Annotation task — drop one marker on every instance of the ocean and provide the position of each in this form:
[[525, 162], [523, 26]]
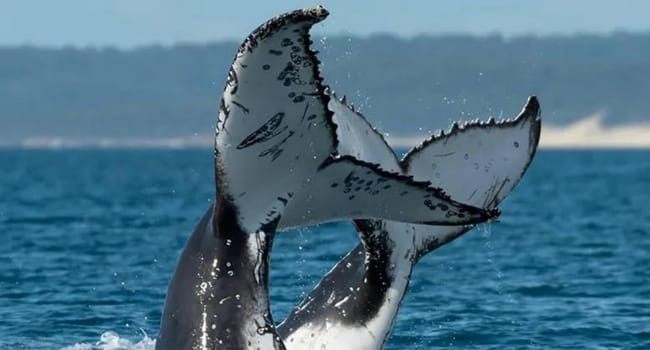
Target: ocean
[[90, 239]]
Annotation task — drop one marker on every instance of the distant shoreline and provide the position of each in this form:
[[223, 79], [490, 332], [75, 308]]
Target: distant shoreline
[[587, 133]]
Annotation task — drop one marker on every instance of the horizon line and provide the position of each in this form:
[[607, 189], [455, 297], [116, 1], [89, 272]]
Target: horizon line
[[336, 35], [584, 134]]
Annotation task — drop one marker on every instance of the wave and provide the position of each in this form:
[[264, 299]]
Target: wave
[[112, 341]]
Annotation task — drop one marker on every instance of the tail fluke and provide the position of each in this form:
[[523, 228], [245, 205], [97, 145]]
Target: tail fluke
[[478, 163], [358, 138], [278, 149], [347, 187], [363, 180], [273, 121]]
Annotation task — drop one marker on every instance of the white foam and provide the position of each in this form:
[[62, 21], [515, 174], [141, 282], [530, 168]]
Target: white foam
[[112, 341]]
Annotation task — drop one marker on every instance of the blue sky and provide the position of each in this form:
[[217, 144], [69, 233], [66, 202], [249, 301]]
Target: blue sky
[[129, 23]]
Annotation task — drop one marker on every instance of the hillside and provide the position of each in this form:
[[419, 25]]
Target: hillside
[[404, 86]]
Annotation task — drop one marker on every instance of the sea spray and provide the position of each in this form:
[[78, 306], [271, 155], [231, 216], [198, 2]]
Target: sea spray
[[112, 341]]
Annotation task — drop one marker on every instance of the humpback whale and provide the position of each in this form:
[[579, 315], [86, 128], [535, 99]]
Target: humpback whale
[[279, 162], [355, 304]]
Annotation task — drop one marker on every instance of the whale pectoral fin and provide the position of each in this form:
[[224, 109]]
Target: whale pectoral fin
[[274, 128], [478, 164], [358, 138], [347, 188]]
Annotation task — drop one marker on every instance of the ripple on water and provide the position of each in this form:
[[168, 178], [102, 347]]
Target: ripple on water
[[90, 240]]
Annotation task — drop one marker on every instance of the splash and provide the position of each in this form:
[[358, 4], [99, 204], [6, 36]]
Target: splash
[[112, 341]]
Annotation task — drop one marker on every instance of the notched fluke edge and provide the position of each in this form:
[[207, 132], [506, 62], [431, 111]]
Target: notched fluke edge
[[530, 110], [483, 214], [310, 16]]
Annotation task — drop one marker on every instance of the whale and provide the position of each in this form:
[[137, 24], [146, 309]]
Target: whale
[[279, 163], [355, 305]]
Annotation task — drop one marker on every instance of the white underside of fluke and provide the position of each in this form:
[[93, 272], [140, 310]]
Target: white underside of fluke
[[274, 129], [359, 138], [362, 181], [478, 163], [282, 144]]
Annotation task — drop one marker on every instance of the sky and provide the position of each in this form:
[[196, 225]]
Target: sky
[[132, 23]]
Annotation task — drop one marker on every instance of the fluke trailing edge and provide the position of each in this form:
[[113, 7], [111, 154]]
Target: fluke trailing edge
[[280, 162]]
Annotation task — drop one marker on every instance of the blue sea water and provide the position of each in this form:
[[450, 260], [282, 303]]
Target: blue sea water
[[89, 240]]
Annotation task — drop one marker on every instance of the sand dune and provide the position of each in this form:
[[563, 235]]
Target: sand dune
[[591, 133], [587, 133]]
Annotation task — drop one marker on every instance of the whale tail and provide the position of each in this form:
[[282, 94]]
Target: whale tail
[[478, 163], [273, 129], [282, 154], [363, 179]]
